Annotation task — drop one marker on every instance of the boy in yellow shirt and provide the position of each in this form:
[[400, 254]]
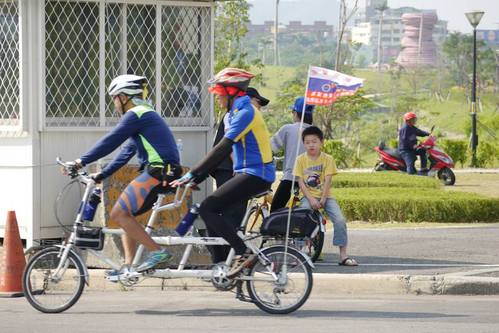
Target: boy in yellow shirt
[[315, 170]]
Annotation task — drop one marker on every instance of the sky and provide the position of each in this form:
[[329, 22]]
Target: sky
[[449, 10]]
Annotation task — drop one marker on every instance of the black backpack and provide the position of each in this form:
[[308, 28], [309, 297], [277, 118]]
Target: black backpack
[[304, 223]]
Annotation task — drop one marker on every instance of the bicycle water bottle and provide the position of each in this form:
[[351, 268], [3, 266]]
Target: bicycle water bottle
[[188, 220], [180, 147], [91, 205]]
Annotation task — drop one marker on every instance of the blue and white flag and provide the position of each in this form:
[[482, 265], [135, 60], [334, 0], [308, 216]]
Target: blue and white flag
[[326, 85]]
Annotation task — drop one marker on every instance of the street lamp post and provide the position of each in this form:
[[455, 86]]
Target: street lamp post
[[474, 18]]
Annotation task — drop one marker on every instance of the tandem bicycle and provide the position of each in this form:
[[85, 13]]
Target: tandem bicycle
[[279, 281]]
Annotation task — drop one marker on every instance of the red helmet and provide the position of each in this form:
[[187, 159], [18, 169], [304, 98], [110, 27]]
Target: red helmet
[[409, 115], [230, 81]]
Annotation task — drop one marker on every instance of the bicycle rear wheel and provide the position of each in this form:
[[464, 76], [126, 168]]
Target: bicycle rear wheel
[[49, 293], [255, 220], [312, 247], [290, 291], [315, 246]]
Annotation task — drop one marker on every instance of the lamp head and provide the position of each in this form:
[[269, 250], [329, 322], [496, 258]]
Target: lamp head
[[474, 17]]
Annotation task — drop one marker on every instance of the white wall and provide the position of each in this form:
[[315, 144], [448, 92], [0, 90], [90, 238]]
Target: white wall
[[16, 179], [70, 145]]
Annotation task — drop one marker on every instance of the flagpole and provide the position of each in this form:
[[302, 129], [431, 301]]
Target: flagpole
[[293, 170]]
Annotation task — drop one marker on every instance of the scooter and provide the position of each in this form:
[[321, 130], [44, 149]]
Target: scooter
[[440, 162]]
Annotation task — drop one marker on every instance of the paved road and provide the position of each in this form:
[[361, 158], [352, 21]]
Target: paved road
[[432, 250], [194, 311]]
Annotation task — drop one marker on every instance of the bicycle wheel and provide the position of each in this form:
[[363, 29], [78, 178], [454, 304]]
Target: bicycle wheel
[[290, 291], [316, 244], [48, 293], [255, 220]]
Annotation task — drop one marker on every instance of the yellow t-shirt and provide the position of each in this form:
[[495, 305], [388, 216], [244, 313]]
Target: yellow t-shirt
[[314, 172]]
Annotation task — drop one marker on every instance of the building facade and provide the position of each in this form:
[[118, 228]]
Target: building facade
[[59, 56], [318, 28], [366, 30]]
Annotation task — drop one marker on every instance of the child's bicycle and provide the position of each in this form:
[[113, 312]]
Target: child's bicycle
[[311, 246], [278, 282]]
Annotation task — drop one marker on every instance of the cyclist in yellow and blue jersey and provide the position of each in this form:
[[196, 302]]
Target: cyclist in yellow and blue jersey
[[150, 138], [249, 141]]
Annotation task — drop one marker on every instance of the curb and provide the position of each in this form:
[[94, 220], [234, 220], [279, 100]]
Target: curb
[[334, 284]]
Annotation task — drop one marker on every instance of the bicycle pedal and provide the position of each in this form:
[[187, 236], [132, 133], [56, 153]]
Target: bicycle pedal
[[114, 279]]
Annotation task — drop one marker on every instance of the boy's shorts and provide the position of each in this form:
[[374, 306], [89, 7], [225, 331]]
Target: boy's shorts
[[142, 192]]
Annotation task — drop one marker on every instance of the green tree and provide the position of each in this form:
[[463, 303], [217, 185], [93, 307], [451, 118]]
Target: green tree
[[458, 49], [336, 120], [231, 20]]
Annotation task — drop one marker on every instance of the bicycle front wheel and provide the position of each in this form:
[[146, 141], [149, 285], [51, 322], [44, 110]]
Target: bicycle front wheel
[[51, 290], [293, 286]]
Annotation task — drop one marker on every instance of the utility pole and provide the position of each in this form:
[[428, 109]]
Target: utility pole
[[496, 87], [339, 35], [343, 19], [276, 34], [381, 8]]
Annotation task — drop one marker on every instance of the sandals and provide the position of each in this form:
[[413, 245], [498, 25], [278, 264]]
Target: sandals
[[348, 262]]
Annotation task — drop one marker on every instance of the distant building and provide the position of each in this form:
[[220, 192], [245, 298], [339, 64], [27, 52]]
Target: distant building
[[366, 29], [318, 28], [418, 47], [490, 37], [366, 33]]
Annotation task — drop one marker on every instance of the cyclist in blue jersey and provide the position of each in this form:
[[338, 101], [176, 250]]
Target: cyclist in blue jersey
[[150, 138], [247, 137]]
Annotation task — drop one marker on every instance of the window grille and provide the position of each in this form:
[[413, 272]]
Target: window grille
[[72, 63], [9, 63], [135, 34]]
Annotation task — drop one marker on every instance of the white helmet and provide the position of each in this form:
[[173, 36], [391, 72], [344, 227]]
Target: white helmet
[[128, 84]]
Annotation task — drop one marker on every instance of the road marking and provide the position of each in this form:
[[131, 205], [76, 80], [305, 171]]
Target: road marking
[[416, 265]]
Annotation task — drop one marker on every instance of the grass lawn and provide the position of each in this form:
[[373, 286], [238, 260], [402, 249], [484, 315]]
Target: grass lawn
[[273, 78], [481, 183]]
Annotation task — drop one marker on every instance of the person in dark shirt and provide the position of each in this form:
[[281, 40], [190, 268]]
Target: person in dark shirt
[[408, 142], [150, 138]]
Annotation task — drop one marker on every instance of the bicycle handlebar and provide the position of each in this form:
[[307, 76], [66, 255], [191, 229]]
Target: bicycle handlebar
[[73, 172]]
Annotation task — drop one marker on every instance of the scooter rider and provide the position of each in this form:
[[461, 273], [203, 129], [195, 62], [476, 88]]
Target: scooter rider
[[408, 142]]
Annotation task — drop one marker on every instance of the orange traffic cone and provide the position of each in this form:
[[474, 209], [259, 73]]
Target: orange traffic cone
[[12, 263]]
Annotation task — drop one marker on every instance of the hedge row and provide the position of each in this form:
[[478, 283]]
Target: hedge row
[[384, 179], [383, 204]]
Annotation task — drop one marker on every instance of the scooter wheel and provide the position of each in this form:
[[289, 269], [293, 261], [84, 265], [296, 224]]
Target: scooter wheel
[[380, 167], [447, 176]]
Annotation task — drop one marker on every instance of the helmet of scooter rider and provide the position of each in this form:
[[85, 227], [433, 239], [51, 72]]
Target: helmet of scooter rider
[[409, 115], [128, 84], [230, 81]]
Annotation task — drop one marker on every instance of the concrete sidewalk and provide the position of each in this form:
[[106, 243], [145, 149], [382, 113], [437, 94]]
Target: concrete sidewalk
[[433, 260], [325, 283], [417, 251]]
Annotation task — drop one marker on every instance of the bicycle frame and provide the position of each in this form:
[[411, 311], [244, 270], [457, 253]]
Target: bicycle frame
[[158, 207]]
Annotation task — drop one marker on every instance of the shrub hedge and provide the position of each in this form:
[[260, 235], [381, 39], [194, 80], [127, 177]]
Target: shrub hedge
[[383, 179], [457, 150], [393, 196], [383, 204]]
